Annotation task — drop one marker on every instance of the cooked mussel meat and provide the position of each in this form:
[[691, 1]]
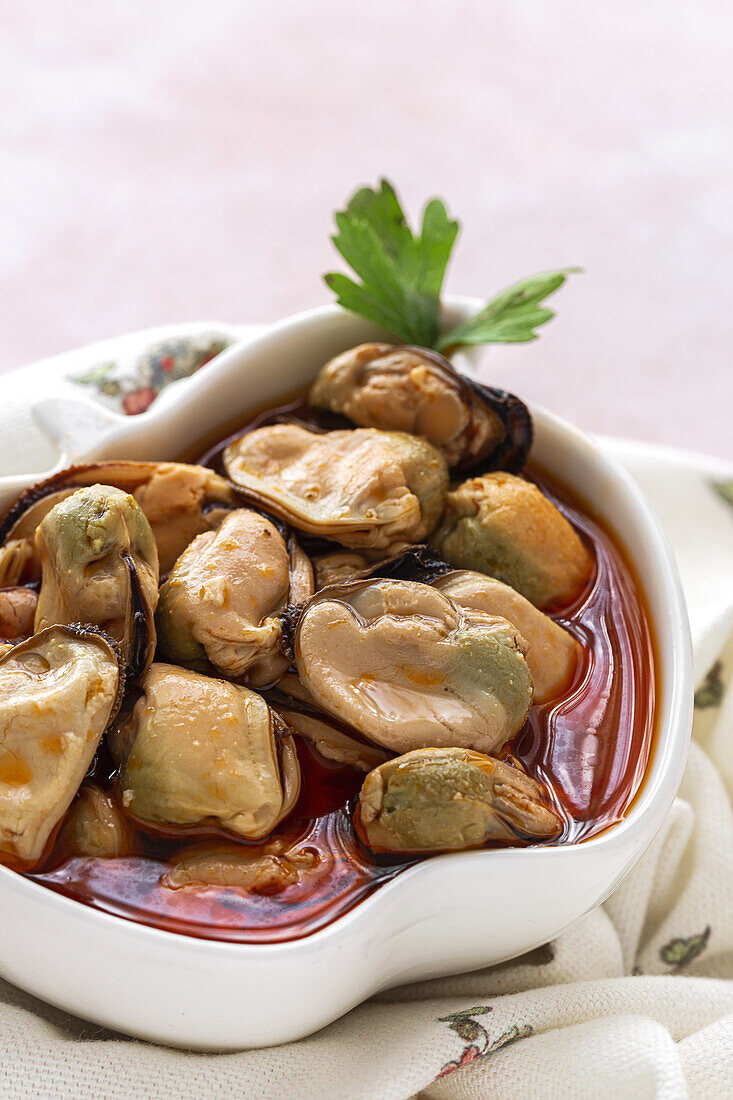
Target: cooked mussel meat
[[411, 389], [506, 527], [330, 742], [552, 653], [99, 565], [95, 826], [179, 501], [447, 800], [405, 666], [363, 488], [338, 567], [329, 739], [18, 562], [17, 612], [196, 751], [267, 869], [58, 692], [222, 599]]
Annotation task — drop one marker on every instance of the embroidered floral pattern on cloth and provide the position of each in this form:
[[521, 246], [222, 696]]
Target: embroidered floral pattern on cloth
[[131, 386]]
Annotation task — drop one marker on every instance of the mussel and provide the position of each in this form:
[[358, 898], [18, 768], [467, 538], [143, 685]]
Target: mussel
[[18, 562], [99, 565], [447, 800], [267, 869], [406, 667], [95, 826], [338, 567], [330, 742], [196, 751], [552, 653], [506, 527], [179, 501], [59, 690], [222, 599], [329, 739], [17, 612], [362, 488], [411, 389]]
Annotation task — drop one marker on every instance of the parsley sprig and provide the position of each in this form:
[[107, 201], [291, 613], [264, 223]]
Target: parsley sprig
[[402, 276]]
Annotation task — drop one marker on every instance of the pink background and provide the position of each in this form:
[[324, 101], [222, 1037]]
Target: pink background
[[166, 161]]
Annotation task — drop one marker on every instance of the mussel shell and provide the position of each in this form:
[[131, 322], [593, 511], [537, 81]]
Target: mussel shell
[[512, 453], [417, 563], [141, 645]]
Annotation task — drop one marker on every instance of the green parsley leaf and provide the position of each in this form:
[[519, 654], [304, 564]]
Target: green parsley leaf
[[512, 316], [401, 274]]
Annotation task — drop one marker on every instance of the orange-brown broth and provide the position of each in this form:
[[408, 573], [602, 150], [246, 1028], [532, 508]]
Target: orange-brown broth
[[590, 746]]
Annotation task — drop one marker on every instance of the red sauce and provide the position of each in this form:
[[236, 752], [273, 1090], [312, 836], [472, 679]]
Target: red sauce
[[590, 747]]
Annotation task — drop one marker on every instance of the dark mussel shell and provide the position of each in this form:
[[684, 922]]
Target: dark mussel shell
[[417, 563], [511, 452]]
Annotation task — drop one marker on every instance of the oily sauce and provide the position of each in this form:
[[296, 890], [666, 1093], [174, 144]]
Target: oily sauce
[[590, 747]]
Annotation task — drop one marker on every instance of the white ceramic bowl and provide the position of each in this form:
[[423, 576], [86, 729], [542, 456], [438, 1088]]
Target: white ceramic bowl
[[446, 914]]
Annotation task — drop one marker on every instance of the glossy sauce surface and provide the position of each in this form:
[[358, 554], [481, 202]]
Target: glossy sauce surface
[[590, 746]]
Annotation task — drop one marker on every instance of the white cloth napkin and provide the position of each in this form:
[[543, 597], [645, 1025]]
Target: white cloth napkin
[[634, 1001]]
